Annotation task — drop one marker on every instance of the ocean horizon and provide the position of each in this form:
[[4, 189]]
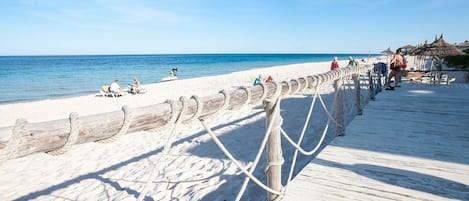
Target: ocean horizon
[[39, 77]]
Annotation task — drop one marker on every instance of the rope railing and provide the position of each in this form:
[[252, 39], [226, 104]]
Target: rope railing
[[60, 135], [52, 135], [342, 84]]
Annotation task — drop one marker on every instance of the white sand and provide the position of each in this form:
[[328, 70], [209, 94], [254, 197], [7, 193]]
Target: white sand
[[195, 169]]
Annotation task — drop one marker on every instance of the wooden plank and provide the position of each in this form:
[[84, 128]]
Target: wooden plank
[[410, 144]]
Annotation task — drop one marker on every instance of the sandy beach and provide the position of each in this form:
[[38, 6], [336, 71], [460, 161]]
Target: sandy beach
[[194, 169]]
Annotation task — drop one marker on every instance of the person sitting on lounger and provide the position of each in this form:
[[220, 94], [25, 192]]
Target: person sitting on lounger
[[116, 89], [135, 87]]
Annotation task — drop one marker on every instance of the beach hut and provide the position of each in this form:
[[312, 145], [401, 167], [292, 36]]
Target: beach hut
[[406, 49]]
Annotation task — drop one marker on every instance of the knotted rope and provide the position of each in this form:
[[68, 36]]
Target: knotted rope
[[72, 137], [246, 171]]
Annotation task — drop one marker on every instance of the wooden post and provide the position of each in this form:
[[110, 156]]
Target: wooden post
[[274, 148], [380, 84], [339, 108], [372, 88], [358, 104]]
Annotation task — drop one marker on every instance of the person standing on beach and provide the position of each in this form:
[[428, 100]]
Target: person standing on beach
[[395, 65], [334, 64], [258, 80], [352, 62]]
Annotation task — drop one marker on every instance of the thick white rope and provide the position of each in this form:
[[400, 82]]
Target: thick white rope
[[16, 137], [329, 115], [306, 84], [72, 137], [298, 146], [297, 83], [226, 101], [289, 87], [169, 140], [264, 142], [124, 128], [264, 91], [310, 111], [235, 161], [248, 94], [198, 111]]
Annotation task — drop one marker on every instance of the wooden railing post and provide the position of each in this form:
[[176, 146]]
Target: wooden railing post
[[372, 88], [339, 108], [380, 84], [358, 104], [273, 148]]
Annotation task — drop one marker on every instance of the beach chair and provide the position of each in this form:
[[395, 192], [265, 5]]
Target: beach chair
[[104, 91]]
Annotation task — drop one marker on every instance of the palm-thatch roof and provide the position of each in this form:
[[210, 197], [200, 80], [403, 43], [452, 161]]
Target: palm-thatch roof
[[440, 47], [387, 51]]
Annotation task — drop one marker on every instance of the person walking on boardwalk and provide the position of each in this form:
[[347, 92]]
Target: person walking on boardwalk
[[395, 66]]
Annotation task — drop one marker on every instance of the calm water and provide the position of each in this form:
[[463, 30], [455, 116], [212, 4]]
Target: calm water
[[26, 78]]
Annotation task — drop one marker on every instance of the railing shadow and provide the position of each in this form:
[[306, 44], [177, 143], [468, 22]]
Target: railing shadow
[[97, 174], [235, 142], [293, 121], [406, 179]]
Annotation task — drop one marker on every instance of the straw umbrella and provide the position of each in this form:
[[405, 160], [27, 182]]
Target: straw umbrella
[[387, 52], [440, 48]]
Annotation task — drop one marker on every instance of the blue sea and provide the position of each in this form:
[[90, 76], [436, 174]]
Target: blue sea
[[30, 78]]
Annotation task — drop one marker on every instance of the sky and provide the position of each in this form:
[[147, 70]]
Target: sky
[[71, 27]]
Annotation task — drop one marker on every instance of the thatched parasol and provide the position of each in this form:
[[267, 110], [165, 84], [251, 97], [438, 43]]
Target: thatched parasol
[[440, 48], [387, 51]]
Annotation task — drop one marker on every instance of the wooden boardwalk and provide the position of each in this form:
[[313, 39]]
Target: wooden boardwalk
[[409, 144]]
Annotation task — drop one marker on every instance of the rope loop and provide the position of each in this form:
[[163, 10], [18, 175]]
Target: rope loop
[[198, 112], [248, 94], [306, 84], [289, 87], [184, 101], [16, 137], [173, 117], [278, 92], [264, 91], [124, 128], [226, 101], [298, 84], [72, 137]]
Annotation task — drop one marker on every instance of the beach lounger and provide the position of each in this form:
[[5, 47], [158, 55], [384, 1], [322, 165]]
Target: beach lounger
[[104, 92]]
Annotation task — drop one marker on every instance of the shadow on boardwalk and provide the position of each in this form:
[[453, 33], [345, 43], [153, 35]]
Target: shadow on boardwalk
[[412, 140]]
